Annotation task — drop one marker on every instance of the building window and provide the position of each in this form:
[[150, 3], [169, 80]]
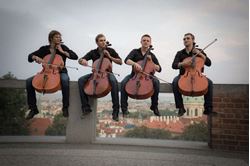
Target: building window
[[196, 112], [188, 112]]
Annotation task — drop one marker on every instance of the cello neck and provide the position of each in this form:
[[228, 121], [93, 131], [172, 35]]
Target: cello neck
[[145, 56], [52, 56], [100, 50]]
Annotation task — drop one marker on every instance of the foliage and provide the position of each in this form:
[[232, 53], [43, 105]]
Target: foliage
[[147, 113], [12, 110], [167, 112], [140, 114], [196, 132], [144, 132], [58, 127]]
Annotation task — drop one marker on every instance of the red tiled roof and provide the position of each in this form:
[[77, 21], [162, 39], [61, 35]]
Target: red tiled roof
[[38, 126], [177, 127], [172, 127]]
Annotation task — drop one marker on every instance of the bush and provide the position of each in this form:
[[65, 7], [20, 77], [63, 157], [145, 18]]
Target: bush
[[196, 132], [144, 132], [12, 110], [58, 127]]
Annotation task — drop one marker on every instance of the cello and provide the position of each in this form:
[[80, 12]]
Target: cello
[[48, 80], [98, 84], [193, 82], [140, 86]]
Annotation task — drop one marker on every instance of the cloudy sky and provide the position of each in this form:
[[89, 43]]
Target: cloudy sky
[[25, 26]]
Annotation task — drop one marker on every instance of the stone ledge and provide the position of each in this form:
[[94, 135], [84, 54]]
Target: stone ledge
[[164, 88]]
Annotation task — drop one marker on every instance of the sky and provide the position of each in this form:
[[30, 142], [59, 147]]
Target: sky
[[24, 28]]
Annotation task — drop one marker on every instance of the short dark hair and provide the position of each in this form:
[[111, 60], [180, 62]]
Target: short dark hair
[[99, 36], [192, 36], [52, 34], [146, 35]]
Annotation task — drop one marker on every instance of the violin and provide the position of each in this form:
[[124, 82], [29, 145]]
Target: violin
[[193, 82], [98, 84], [140, 86], [48, 80]]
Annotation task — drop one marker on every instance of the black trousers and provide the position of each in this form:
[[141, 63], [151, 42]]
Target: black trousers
[[114, 92], [208, 97], [124, 95], [31, 93]]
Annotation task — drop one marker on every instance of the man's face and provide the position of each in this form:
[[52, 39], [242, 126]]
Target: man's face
[[101, 42], [56, 39], [187, 40], [146, 42]]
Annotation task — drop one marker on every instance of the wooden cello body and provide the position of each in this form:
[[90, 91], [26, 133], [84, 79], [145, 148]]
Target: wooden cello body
[[140, 86], [193, 82], [48, 80], [98, 84]]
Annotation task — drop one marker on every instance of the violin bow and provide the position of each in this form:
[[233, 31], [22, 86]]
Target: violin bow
[[150, 75], [60, 66], [205, 47], [104, 71]]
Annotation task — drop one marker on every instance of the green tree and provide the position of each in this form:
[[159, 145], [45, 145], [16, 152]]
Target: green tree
[[195, 132], [143, 114], [58, 127], [147, 113], [12, 110], [144, 132], [167, 112]]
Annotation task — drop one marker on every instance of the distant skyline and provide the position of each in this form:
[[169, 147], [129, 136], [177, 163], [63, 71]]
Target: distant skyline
[[25, 27]]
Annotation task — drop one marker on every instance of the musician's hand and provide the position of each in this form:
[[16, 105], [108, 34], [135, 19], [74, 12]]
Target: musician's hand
[[157, 67], [61, 66], [195, 51], [137, 67], [107, 54], [186, 63], [83, 62], [59, 48], [37, 59]]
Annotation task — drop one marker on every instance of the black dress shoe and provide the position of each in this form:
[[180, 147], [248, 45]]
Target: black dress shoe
[[125, 113], [156, 112], [209, 111], [85, 112], [115, 118], [181, 112], [32, 113], [65, 112]]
